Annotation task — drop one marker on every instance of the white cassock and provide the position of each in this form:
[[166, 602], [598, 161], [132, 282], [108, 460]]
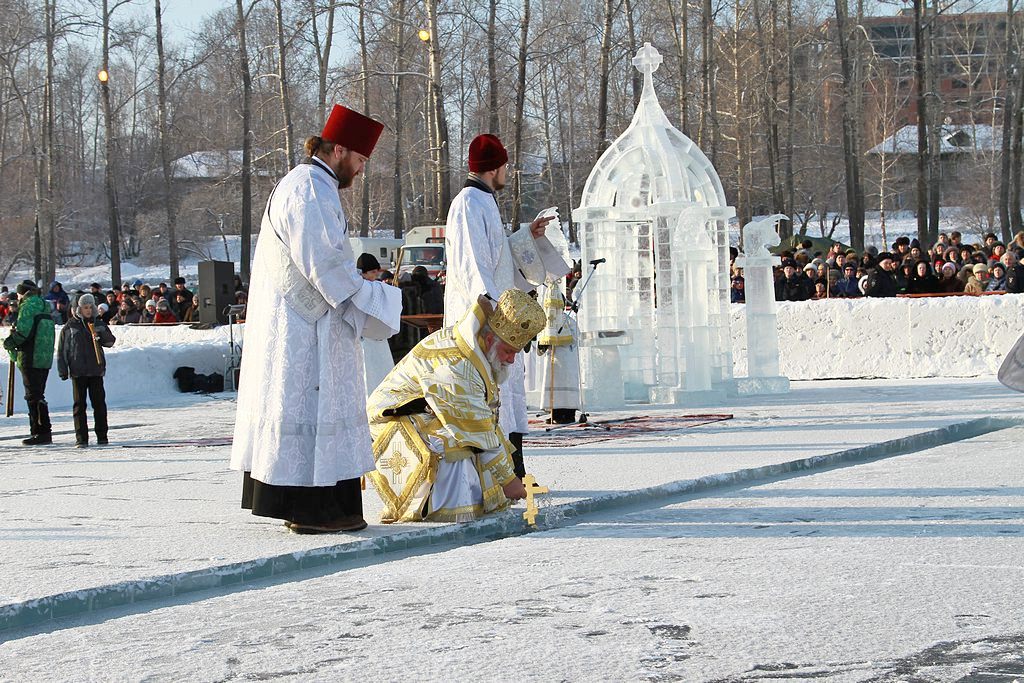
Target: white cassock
[[480, 260], [560, 362], [301, 417], [377, 362]]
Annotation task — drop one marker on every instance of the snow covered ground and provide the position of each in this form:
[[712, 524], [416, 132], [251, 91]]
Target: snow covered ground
[[75, 519], [907, 568]]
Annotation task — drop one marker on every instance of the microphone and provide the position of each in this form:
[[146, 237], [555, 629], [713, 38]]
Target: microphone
[[597, 261]]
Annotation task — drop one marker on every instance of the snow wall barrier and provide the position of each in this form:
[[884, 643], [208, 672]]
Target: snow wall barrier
[[956, 336], [835, 338], [141, 365]]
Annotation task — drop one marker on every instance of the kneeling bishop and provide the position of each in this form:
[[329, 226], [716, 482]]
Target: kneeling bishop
[[440, 454]]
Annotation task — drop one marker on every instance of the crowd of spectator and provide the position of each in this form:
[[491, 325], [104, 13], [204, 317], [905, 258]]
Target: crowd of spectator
[[134, 303], [950, 266]]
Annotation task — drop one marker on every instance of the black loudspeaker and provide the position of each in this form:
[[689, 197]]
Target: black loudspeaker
[[216, 291]]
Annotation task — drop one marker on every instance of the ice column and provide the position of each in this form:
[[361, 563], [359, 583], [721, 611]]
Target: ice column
[[762, 324]]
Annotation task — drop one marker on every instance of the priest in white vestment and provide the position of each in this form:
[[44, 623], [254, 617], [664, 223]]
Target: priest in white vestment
[[440, 454], [301, 435], [559, 358], [483, 260]]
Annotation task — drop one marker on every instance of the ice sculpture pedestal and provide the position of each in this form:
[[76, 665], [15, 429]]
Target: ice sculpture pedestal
[[762, 320]]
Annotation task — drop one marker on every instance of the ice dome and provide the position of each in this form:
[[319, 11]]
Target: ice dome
[[653, 208]]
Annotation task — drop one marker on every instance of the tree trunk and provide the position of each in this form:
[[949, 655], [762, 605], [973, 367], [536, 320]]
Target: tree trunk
[[921, 193], [934, 133], [637, 78], [323, 51], [165, 152], [246, 172], [364, 63], [108, 175], [1016, 158], [398, 217], [851, 151], [282, 79], [1009, 93], [786, 227], [604, 67], [443, 171], [517, 159], [709, 104], [49, 143], [493, 124]]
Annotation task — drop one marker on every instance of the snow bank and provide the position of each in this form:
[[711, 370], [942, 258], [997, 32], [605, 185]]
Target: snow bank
[[962, 336], [140, 366]]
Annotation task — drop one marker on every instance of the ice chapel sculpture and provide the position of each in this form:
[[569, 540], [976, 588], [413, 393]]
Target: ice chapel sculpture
[[656, 313]]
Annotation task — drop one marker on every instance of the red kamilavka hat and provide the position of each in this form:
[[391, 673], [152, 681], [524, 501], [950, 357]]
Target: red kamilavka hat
[[352, 130], [486, 153]]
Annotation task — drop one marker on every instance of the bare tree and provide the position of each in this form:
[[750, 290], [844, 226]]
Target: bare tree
[[165, 153], [246, 171], [282, 79]]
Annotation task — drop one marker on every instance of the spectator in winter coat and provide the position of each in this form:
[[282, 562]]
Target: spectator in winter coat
[[792, 286], [148, 312], [737, 292], [164, 313], [31, 347], [192, 313], [59, 299], [179, 288], [127, 313], [949, 283], [997, 279], [979, 279], [881, 281], [164, 292], [846, 286], [80, 358], [1014, 273], [112, 302], [182, 302], [922, 280]]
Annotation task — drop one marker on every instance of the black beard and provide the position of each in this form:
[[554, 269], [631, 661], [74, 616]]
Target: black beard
[[345, 181]]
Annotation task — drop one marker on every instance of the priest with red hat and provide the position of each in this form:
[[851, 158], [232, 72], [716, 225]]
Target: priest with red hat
[[484, 260], [301, 434]]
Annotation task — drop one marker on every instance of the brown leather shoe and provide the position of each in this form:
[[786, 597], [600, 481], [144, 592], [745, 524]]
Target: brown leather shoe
[[349, 523]]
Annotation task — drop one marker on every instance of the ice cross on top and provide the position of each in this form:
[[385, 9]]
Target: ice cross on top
[[647, 60]]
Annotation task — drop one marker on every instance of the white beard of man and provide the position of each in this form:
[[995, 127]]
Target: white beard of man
[[498, 367]]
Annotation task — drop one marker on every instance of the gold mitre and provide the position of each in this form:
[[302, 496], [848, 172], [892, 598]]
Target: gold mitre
[[517, 318]]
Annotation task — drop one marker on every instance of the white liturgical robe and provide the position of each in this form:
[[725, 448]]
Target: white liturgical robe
[[301, 417], [480, 261]]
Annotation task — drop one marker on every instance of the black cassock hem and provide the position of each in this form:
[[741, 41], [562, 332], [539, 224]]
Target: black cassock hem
[[312, 505]]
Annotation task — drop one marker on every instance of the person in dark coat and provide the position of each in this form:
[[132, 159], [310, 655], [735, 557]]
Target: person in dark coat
[[846, 287], [80, 358], [59, 299], [180, 305], [922, 280], [882, 280], [430, 295], [792, 286], [949, 283], [1014, 273]]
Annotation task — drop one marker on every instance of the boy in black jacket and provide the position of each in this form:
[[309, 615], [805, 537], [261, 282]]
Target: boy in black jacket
[[80, 356]]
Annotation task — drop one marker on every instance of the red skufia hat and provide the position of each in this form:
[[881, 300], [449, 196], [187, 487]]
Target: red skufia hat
[[352, 130], [486, 153]]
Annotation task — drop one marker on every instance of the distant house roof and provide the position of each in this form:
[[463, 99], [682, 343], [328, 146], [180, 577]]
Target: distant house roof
[[954, 140], [210, 165]]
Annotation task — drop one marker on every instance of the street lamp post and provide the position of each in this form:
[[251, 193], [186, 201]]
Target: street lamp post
[[108, 126]]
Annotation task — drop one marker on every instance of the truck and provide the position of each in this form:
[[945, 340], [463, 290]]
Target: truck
[[384, 248], [425, 234]]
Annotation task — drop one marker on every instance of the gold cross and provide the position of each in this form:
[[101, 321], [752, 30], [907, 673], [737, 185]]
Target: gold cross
[[396, 464], [530, 482]]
